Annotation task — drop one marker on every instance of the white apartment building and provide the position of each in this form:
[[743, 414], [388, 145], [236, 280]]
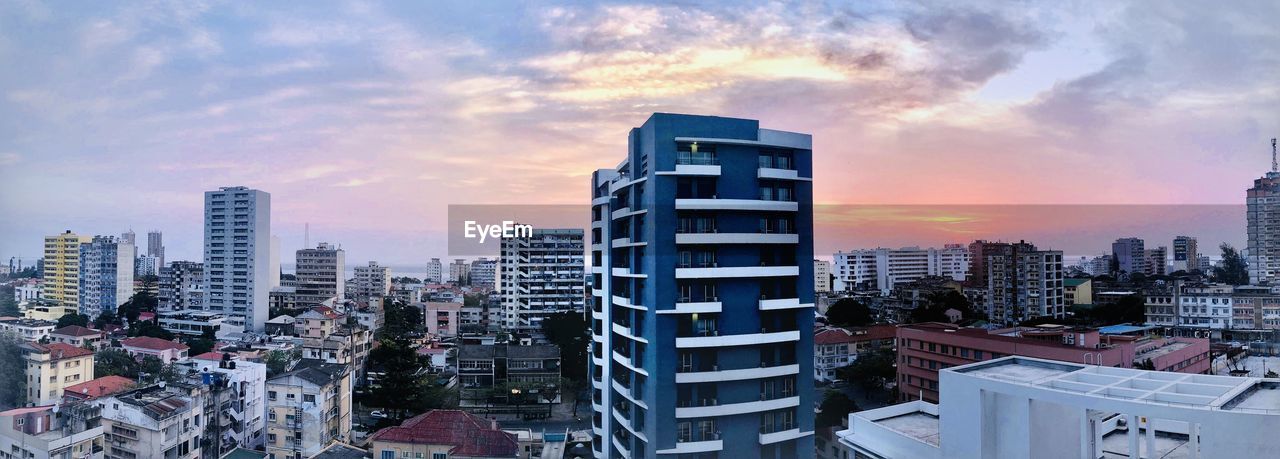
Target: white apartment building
[[237, 389], [821, 276], [28, 329], [435, 272], [1205, 306], [70, 431], [1024, 283], [484, 273], [154, 422], [372, 281], [237, 254], [106, 275], [540, 275], [307, 409], [459, 270], [180, 286], [321, 272], [882, 269], [1026, 407], [146, 265], [194, 323]]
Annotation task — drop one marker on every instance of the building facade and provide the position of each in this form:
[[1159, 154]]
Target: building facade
[[106, 275], [459, 270], [308, 409], [372, 281], [71, 431], [153, 421], [1185, 254], [53, 367], [1023, 283], [237, 254], [1263, 212], [1129, 255], [1156, 261], [181, 286], [821, 276], [541, 274], [62, 268], [155, 246], [882, 269], [434, 272], [484, 273], [702, 243], [321, 274]]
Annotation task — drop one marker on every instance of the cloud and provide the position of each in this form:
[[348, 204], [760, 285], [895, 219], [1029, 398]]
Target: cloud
[[9, 159]]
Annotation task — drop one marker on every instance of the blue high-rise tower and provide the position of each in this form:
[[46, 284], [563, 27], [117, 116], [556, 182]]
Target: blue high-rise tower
[[702, 275]]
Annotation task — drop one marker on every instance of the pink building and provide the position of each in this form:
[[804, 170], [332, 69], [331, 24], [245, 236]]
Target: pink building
[[441, 318], [925, 348]]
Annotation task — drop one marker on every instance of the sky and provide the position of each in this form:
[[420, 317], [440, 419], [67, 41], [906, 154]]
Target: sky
[[366, 120]]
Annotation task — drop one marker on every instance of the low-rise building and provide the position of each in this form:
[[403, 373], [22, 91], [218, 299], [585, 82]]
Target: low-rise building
[[444, 434], [308, 409], [525, 368], [78, 336], [1077, 291], [96, 388], [52, 367], [155, 421], [70, 431], [195, 323], [1027, 407], [143, 346], [442, 319], [318, 322], [28, 329], [45, 309], [835, 348]]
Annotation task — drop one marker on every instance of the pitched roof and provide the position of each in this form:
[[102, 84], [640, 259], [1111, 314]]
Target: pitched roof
[[153, 343], [338, 450], [211, 355], [470, 436], [29, 409], [58, 351], [315, 371], [76, 330], [99, 387], [842, 335]]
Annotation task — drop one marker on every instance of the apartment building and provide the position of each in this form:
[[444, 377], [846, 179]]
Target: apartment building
[[1023, 283], [821, 276], [238, 267], [541, 274], [78, 336], [146, 265], [925, 348], [28, 329], [106, 275], [62, 268], [194, 323], [181, 286], [308, 409], [52, 367], [882, 269], [69, 431], [702, 291], [434, 272], [321, 274], [1213, 306], [1156, 261], [236, 412], [372, 281], [836, 348], [1029, 407], [459, 270], [445, 434], [442, 319], [1263, 214], [141, 347], [531, 368], [159, 421], [484, 273], [1129, 255], [1077, 291], [1185, 254]]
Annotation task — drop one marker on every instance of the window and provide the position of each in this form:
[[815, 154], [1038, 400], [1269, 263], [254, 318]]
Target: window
[[439, 456], [388, 454], [271, 395]]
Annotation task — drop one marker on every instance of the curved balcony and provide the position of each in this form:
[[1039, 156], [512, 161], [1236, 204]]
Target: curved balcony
[[737, 238], [737, 272], [736, 204], [626, 362], [626, 212], [783, 303], [621, 450], [626, 303], [626, 333], [626, 393], [775, 437], [625, 242], [691, 447], [781, 174], [730, 409], [624, 272], [737, 340], [737, 375], [687, 307], [702, 170]]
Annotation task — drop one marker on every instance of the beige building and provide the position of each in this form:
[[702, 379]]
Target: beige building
[[318, 322], [53, 367], [441, 318], [821, 276], [162, 421], [1077, 291], [308, 409], [62, 268], [70, 432]]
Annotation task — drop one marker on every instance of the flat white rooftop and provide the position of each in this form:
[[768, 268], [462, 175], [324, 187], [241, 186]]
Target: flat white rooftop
[[918, 425]]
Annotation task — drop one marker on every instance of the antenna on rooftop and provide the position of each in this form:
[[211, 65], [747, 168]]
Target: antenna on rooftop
[[306, 227], [1274, 166]]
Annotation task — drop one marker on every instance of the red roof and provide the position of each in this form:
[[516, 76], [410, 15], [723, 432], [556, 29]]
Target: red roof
[[841, 335], [61, 350], [99, 387], [217, 356], [146, 316], [76, 330], [153, 343], [29, 409], [469, 435]]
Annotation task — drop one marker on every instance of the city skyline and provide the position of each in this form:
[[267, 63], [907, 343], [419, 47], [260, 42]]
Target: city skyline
[[350, 125]]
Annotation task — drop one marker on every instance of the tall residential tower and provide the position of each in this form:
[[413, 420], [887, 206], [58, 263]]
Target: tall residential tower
[[106, 275], [62, 268], [702, 249], [540, 275], [237, 254]]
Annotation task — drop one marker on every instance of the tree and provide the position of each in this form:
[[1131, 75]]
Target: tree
[[848, 312], [117, 362], [402, 386], [572, 334], [13, 371], [279, 361], [8, 306], [401, 320], [73, 318], [1233, 269], [152, 366], [835, 407], [104, 319], [871, 370], [149, 328]]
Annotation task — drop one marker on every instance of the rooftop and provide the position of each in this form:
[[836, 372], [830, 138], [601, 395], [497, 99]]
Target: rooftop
[[341, 451], [99, 387], [507, 351], [918, 425], [468, 434], [58, 351], [1123, 329], [76, 330], [153, 343]]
